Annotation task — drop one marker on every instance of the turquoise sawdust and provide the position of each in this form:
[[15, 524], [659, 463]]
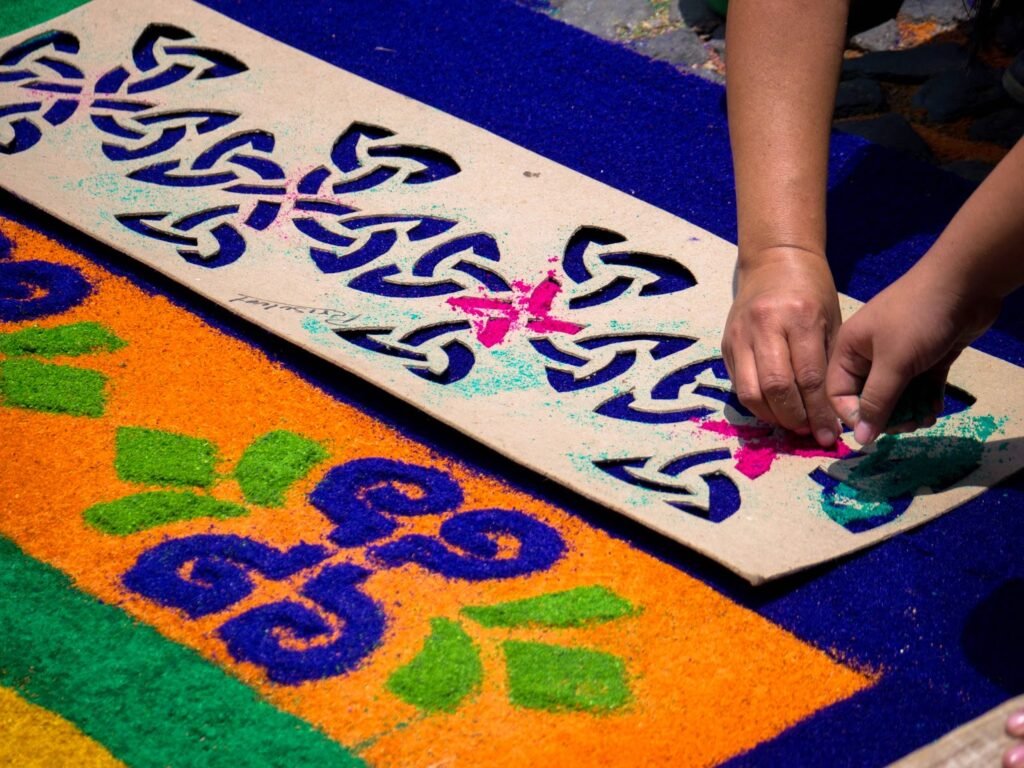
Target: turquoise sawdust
[[443, 674], [572, 608], [155, 457], [64, 340], [904, 464]]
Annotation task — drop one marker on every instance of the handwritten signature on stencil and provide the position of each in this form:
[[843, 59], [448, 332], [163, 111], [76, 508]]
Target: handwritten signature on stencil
[[331, 316]]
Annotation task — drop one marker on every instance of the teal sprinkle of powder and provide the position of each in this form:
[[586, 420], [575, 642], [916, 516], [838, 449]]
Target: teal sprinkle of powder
[[315, 326], [511, 372], [901, 465]]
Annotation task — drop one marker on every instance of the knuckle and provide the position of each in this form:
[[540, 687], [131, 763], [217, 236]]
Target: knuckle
[[810, 379], [776, 385], [763, 312]]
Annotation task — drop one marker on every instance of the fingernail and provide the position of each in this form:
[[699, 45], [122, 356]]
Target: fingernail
[[1015, 724], [864, 433], [1014, 757], [825, 437]]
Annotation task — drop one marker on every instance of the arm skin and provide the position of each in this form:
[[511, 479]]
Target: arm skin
[[917, 327], [784, 60]]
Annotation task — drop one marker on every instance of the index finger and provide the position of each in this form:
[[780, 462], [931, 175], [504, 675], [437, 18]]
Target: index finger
[[809, 366]]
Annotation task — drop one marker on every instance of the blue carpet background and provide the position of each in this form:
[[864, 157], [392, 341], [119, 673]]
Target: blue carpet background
[[940, 610]]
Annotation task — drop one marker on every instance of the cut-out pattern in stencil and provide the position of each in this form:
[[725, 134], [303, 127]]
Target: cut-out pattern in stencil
[[677, 479], [603, 275], [569, 326]]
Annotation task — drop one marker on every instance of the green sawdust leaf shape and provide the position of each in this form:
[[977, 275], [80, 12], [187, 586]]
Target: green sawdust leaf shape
[[273, 462], [142, 511], [573, 608], [155, 457], [64, 340], [557, 679], [53, 388], [443, 674]]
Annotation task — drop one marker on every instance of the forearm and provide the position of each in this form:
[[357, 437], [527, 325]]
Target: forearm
[[784, 59], [981, 252]]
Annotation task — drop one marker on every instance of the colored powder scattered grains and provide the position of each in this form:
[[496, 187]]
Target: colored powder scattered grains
[[761, 445], [530, 308], [443, 674], [33, 737], [147, 510], [902, 465], [688, 651], [273, 463], [156, 457], [148, 700], [554, 678], [69, 340], [53, 388], [16, 15], [571, 608]]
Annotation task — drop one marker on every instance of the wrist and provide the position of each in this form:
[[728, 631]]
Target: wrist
[[795, 255], [970, 282]]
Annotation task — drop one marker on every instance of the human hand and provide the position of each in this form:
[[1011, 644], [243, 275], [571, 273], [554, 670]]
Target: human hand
[[905, 339], [783, 320]]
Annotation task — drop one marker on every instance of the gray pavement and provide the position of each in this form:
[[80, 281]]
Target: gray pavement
[[906, 83]]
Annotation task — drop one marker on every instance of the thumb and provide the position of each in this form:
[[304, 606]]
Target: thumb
[[885, 383], [848, 368]]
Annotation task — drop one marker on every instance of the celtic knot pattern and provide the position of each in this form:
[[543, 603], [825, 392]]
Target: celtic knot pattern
[[602, 276], [50, 83], [159, 59], [419, 346], [620, 351], [718, 498], [361, 161], [681, 395], [641, 376]]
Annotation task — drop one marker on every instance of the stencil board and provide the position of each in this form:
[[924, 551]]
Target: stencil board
[[565, 324]]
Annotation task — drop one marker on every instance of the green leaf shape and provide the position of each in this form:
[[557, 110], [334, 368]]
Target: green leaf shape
[[64, 340], [54, 388], [142, 511], [573, 608], [273, 462], [156, 457], [443, 674], [557, 679]]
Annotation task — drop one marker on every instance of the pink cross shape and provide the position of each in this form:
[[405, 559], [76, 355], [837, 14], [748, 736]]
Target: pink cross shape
[[529, 307], [761, 444]]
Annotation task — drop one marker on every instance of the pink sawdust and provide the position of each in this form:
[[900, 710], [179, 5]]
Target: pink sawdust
[[529, 307], [761, 444]]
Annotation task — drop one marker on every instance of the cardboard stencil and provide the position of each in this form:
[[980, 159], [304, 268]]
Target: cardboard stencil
[[977, 744], [565, 324]]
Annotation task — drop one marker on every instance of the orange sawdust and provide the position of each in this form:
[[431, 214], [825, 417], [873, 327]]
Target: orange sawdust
[[709, 679], [914, 33]]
